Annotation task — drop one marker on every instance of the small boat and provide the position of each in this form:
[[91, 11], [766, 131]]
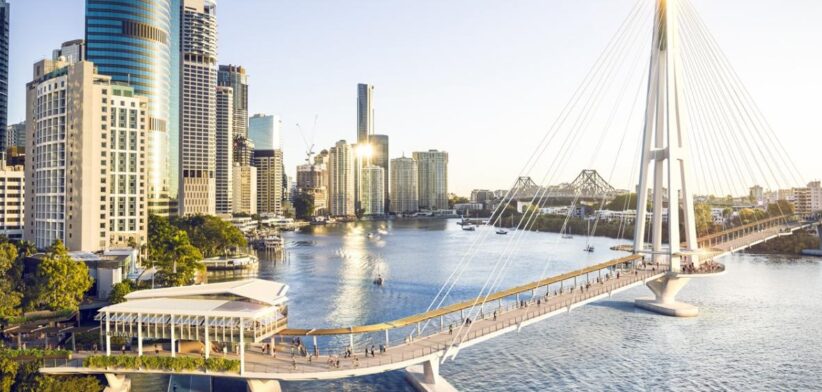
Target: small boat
[[589, 249], [567, 235], [379, 280], [469, 227], [502, 232]]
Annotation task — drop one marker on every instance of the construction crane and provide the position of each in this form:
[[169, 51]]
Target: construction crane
[[309, 152]]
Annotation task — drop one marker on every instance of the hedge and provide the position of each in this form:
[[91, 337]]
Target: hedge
[[175, 364]]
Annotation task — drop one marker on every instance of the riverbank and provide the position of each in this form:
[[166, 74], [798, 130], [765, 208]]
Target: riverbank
[[788, 245]]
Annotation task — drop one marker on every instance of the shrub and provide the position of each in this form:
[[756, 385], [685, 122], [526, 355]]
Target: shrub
[[176, 364]]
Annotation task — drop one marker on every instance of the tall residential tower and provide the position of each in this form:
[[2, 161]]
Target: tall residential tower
[[432, 169], [198, 145], [4, 71], [365, 112]]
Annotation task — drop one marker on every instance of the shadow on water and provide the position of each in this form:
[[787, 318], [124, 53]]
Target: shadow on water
[[622, 306]]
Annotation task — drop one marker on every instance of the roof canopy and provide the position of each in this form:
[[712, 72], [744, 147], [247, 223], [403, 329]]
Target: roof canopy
[[257, 290]]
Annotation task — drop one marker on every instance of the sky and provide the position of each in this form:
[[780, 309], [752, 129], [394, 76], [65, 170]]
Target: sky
[[480, 79]]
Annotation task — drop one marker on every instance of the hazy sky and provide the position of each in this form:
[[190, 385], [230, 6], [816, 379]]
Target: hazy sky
[[479, 79]]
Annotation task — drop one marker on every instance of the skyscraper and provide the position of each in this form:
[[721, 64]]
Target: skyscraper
[[432, 169], [365, 112], [244, 194], [16, 135], [404, 186], [379, 157], [264, 131], [372, 191], [131, 41], [71, 51], [341, 180], [269, 164], [225, 144], [236, 78], [198, 123], [4, 71], [85, 181]]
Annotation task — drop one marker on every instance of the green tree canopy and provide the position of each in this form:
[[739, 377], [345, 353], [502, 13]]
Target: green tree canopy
[[10, 297], [119, 291], [304, 205], [61, 282], [171, 252], [210, 234]]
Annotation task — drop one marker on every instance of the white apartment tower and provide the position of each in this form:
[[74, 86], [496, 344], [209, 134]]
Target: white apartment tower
[[404, 186], [225, 150], [432, 169], [12, 196], [86, 169], [372, 190], [341, 180], [244, 192], [198, 145]]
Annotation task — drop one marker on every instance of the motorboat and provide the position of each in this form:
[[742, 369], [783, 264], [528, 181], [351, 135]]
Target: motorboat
[[469, 227], [379, 280]]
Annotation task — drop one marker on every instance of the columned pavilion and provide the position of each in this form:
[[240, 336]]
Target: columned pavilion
[[228, 315]]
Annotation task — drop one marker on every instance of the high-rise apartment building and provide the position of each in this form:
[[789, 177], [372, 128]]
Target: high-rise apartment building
[[12, 209], [404, 186], [372, 190], [4, 71], [379, 157], [16, 135], [234, 76], [311, 178], [199, 103], [244, 179], [264, 131], [134, 42], [86, 170], [225, 147], [70, 51], [432, 168], [269, 164], [243, 150], [341, 185], [365, 112]]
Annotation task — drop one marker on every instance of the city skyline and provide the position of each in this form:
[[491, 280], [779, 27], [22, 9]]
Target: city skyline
[[523, 86]]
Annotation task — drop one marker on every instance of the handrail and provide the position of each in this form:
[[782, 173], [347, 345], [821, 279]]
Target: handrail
[[742, 227], [435, 313]]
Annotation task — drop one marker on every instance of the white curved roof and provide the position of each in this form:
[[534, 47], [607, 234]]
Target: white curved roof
[[263, 291]]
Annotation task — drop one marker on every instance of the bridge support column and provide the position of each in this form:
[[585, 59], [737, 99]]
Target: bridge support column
[[426, 378], [264, 386], [117, 383], [665, 290]]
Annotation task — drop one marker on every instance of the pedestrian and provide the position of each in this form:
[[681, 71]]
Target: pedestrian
[[450, 332], [294, 363]]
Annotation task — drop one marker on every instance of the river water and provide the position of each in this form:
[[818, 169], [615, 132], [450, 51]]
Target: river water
[[759, 328]]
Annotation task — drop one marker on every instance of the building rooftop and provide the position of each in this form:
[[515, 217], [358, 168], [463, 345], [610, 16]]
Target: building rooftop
[[265, 292]]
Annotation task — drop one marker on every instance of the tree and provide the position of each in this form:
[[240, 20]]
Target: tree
[[622, 202], [211, 235], [704, 218], [61, 282], [165, 244], [119, 291], [304, 205], [8, 371], [454, 199], [10, 298]]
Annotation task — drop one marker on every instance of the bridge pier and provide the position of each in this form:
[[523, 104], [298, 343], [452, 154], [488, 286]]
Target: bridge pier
[[665, 290], [426, 378], [117, 383], [264, 386]]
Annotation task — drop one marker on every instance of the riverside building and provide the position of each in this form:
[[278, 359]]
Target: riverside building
[[198, 146], [86, 169], [341, 195], [432, 169], [137, 42], [404, 186]]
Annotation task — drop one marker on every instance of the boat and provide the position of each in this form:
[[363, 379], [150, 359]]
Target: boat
[[469, 227], [379, 280], [268, 243], [567, 235], [589, 248], [502, 232]]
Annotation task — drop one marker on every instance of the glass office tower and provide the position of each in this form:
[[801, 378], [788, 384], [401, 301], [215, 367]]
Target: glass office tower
[[131, 41], [4, 71]]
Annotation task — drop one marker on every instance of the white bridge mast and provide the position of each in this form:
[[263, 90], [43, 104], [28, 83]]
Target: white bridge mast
[[665, 145]]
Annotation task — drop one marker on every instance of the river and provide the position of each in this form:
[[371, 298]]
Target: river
[[759, 328]]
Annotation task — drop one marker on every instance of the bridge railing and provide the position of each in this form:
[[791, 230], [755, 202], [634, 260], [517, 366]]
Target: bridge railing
[[714, 239]]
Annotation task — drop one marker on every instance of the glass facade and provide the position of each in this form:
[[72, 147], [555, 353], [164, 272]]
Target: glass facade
[[264, 131], [131, 41]]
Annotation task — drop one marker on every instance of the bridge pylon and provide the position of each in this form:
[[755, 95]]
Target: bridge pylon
[[664, 149]]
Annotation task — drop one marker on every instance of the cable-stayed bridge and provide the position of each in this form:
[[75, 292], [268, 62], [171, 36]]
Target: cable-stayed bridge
[[698, 130]]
